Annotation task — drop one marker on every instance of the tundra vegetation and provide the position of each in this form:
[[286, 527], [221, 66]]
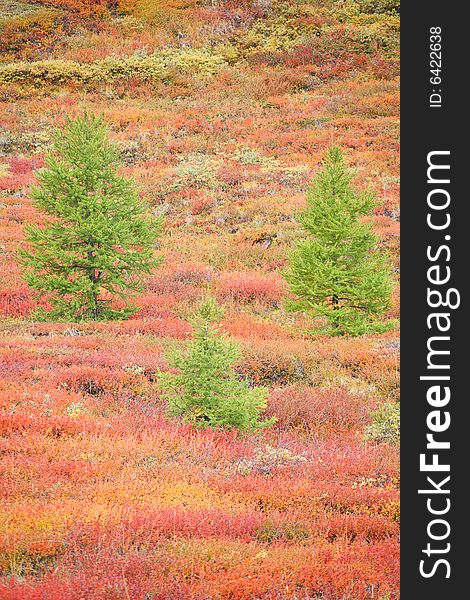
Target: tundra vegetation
[[221, 113]]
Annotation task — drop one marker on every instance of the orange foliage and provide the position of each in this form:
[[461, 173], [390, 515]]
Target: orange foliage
[[104, 495]]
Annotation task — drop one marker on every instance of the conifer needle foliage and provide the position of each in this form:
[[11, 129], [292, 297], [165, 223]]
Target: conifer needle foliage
[[336, 270], [205, 390], [98, 240]]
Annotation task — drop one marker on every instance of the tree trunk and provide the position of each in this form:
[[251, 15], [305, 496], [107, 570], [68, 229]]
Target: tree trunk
[[93, 276]]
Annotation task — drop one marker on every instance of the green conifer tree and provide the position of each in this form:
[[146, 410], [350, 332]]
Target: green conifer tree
[[206, 390], [336, 270], [98, 240]]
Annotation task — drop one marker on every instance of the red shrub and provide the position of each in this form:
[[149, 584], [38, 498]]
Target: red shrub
[[148, 527], [20, 165], [200, 205], [268, 362], [52, 426], [17, 302], [14, 182], [155, 305], [91, 380], [180, 280], [324, 409], [246, 287]]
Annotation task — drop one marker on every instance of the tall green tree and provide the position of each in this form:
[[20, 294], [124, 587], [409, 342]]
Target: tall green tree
[[205, 388], [336, 270], [98, 239]]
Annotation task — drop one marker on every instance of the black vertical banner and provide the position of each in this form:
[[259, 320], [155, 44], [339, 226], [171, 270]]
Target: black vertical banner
[[434, 272]]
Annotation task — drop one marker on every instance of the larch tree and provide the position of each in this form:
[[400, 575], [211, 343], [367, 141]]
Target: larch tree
[[97, 241], [205, 389], [336, 270]]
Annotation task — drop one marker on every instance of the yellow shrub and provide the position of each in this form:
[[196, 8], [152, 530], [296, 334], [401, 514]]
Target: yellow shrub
[[157, 66]]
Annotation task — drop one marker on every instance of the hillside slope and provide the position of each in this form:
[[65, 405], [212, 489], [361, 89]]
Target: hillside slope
[[222, 111]]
